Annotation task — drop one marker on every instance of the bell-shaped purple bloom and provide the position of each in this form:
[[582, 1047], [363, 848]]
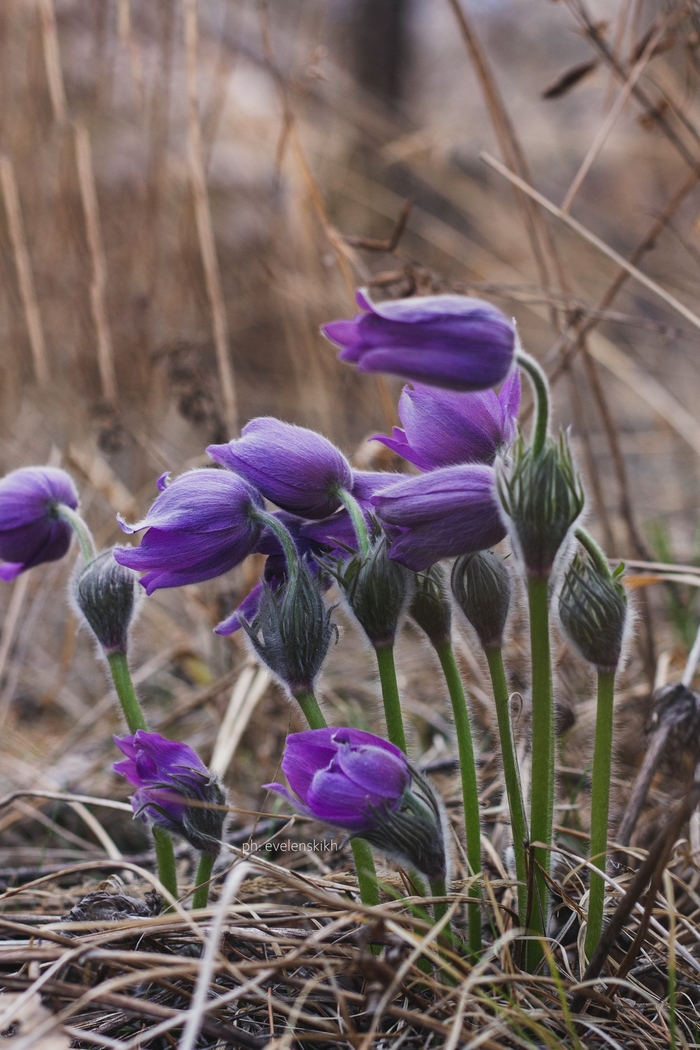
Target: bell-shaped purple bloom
[[340, 776], [445, 513], [200, 526], [450, 341], [442, 428], [30, 530], [368, 787], [168, 777], [295, 468]]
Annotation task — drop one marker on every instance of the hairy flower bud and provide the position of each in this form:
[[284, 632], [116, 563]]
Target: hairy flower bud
[[376, 589], [430, 605], [593, 612], [105, 594], [176, 791], [364, 784], [482, 588], [292, 630], [542, 496]]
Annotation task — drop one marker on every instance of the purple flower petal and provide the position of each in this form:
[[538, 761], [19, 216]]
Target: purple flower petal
[[30, 530]]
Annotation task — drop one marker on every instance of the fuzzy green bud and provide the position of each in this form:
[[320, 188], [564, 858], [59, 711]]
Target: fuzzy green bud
[[482, 588], [376, 589], [292, 630], [430, 605], [593, 612], [542, 496], [105, 594]]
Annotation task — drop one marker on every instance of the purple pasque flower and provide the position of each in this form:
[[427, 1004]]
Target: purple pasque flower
[[200, 526], [451, 341], [31, 532], [442, 428], [443, 514], [368, 787], [169, 777], [295, 468]]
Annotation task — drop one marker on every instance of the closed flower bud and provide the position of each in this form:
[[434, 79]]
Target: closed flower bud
[[482, 588], [593, 612], [542, 496], [170, 777], [365, 785], [376, 589], [292, 630], [105, 594], [430, 605]]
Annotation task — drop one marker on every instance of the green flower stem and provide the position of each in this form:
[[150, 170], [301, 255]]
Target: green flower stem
[[81, 530], [200, 897], [362, 854], [439, 889], [165, 860], [596, 552], [282, 533], [470, 786], [121, 676], [540, 386], [358, 520], [511, 774], [390, 696], [600, 799], [542, 776], [311, 711]]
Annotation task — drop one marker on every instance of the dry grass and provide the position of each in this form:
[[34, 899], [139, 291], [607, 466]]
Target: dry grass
[[188, 191]]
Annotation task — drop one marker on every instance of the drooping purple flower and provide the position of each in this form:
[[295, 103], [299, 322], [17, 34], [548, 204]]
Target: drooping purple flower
[[368, 787], [295, 468], [450, 341], [445, 513], [31, 531], [168, 777], [200, 526], [442, 428]]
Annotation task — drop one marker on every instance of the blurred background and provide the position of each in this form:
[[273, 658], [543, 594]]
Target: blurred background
[[189, 189]]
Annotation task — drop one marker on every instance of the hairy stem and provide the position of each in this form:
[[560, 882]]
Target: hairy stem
[[282, 533], [200, 898], [165, 860], [600, 800], [311, 711], [540, 385], [358, 520], [511, 774], [595, 552], [390, 696], [81, 530], [470, 786], [542, 789]]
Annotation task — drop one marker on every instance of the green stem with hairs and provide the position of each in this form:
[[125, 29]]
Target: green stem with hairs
[[600, 801], [358, 520], [511, 774], [470, 785], [390, 696], [540, 387], [200, 898], [121, 676], [282, 533], [595, 551], [81, 530], [439, 889], [362, 854], [542, 775], [165, 860]]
